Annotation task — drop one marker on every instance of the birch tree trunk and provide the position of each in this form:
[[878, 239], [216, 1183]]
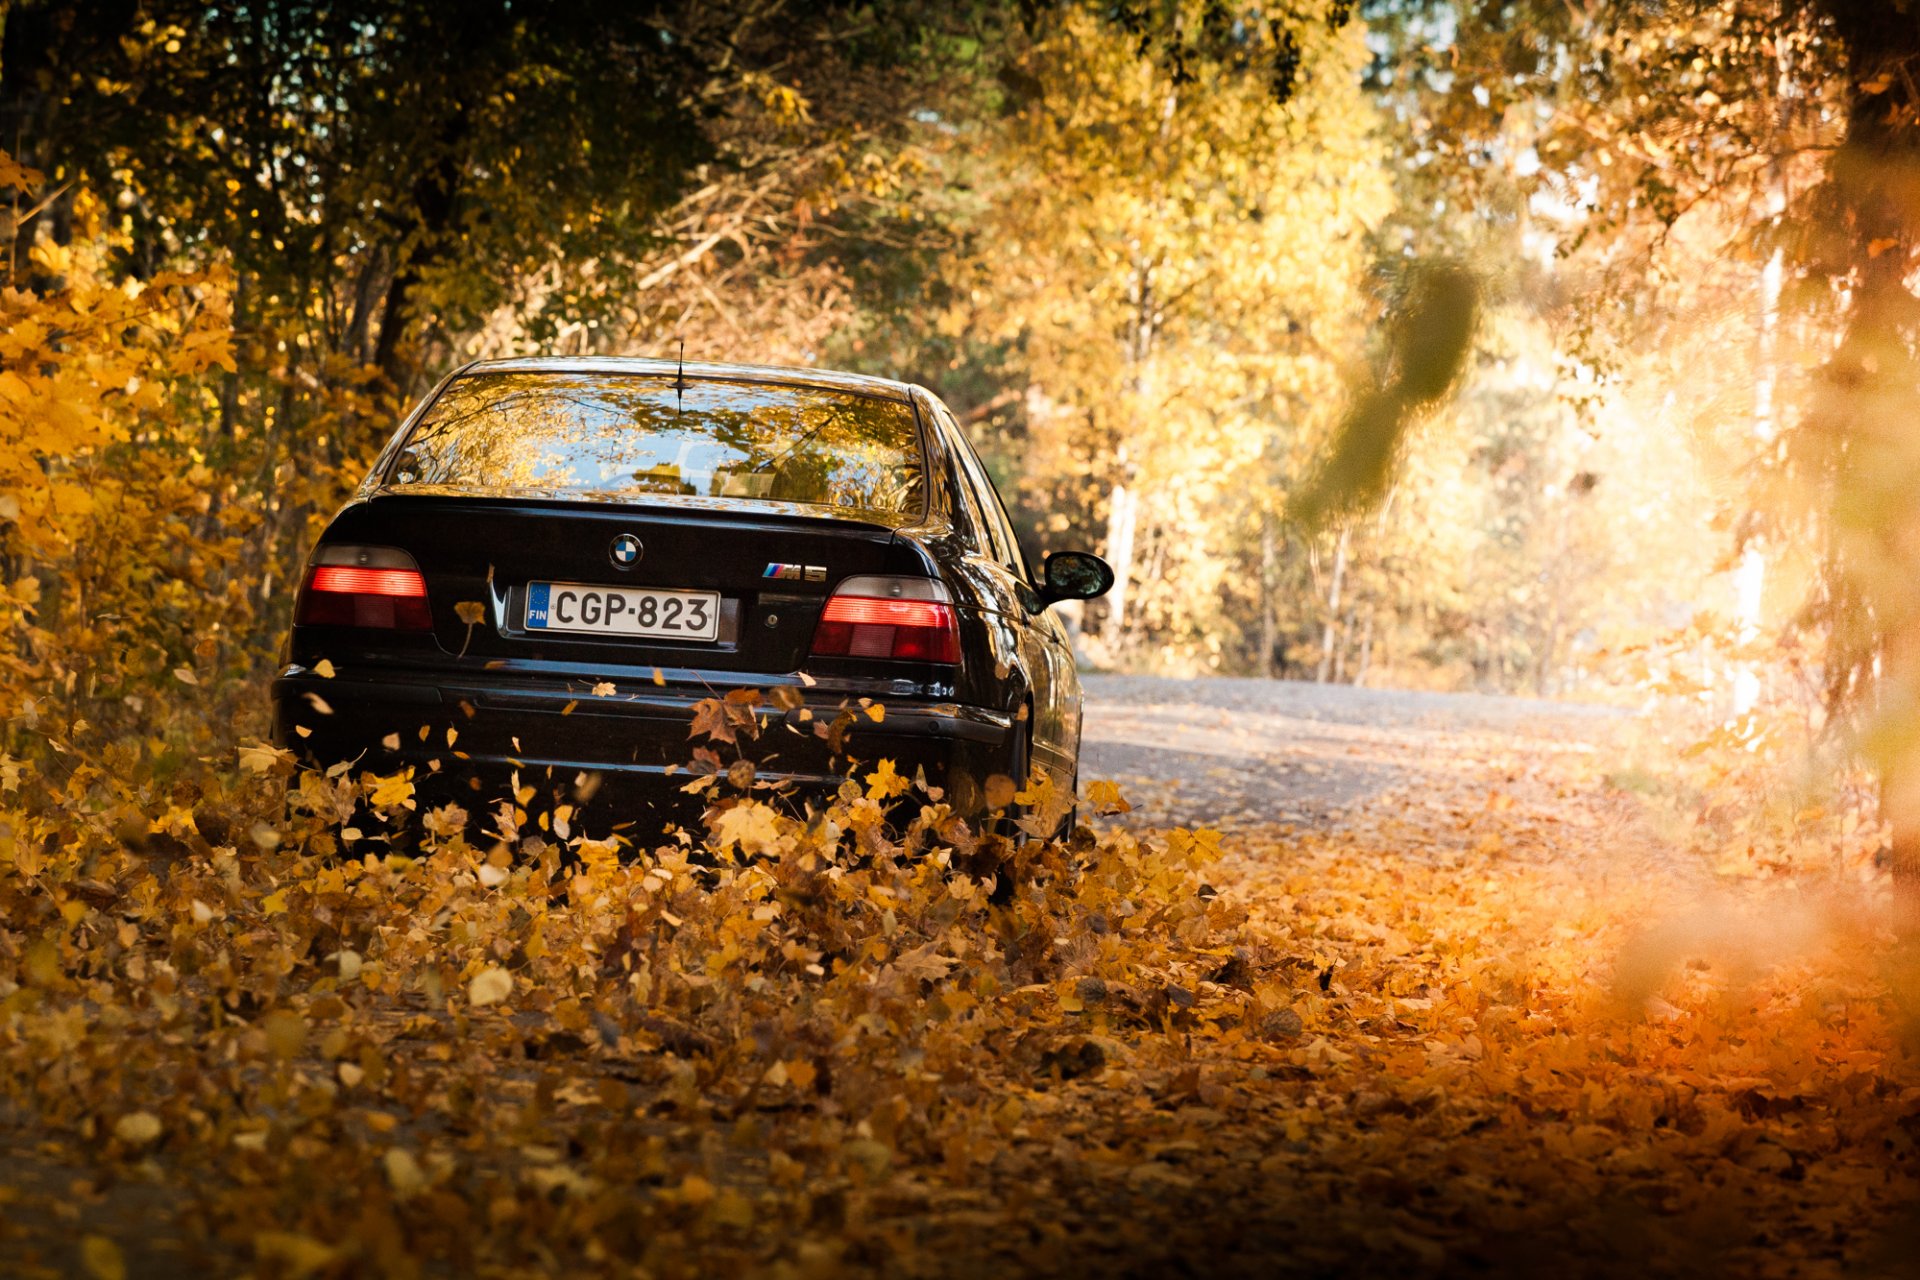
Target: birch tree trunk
[[1329, 635], [1366, 652], [1269, 558], [1750, 578], [1122, 504]]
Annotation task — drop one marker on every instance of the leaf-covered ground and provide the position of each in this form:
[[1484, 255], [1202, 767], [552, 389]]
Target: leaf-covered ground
[[1516, 1018]]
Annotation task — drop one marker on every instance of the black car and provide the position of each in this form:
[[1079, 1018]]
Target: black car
[[556, 562]]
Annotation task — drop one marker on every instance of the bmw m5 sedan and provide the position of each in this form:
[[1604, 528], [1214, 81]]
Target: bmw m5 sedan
[[554, 560]]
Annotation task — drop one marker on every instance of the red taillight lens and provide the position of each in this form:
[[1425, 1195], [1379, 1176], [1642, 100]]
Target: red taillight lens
[[874, 627], [348, 580], [352, 595]]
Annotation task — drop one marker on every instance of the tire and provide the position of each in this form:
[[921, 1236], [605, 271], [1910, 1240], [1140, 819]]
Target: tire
[[1006, 822], [1070, 819]]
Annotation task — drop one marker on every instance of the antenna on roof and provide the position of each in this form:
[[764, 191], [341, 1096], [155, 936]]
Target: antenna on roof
[[680, 378]]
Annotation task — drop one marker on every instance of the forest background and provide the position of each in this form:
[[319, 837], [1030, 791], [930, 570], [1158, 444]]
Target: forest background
[[1148, 252], [1538, 348], [1554, 347]]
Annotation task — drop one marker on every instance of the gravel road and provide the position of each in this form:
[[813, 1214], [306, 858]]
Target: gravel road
[[1231, 753]]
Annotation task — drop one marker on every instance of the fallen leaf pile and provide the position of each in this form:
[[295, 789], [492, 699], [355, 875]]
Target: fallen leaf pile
[[1493, 1029]]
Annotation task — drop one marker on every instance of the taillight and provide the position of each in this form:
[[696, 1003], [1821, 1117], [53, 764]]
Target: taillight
[[908, 619], [364, 587]]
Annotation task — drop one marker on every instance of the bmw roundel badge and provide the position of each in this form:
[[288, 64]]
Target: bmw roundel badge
[[625, 551]]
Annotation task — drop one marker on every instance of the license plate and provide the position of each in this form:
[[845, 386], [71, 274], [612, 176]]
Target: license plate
[[623, 611]]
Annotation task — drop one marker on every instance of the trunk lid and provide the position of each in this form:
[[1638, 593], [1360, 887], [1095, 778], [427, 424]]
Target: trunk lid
[[771, 569]]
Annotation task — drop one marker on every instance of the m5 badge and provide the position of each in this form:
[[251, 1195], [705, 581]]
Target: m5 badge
[[796, 572]]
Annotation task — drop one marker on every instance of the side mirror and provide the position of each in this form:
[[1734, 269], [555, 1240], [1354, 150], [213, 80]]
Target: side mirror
[[1073, 575]]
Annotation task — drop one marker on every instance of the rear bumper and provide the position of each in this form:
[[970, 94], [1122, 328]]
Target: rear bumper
[[468, 739]]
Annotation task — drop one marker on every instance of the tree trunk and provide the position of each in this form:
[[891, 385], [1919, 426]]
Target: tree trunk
[[1328, 635], [436, 196], [1123, 507], [1750, 579], [1366, 652], [1867, 397], [230, 385], [360, 321], [393, 324], [1269, 558], [1121, 516]]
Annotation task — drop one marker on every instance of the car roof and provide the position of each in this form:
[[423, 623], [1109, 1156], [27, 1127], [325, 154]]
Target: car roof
[[856, 383]]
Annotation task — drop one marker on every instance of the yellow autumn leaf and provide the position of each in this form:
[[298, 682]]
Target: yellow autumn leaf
[[18, 176], [262, 757], [489, 986], [293, 1255], [392, 790], [404, 1173], [102, 1258], [750, 826], [884, 782], [286, 1033], [1104, 797], [137, 1128]]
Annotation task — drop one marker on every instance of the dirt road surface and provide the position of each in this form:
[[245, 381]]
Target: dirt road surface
[[1233, 753]]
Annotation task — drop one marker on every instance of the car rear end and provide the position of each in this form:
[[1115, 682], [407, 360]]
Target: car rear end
[[560, 566]]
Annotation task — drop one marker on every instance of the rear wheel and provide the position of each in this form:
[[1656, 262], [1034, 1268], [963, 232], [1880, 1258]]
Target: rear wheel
[[1004, 819], [1071, 818], [1001, 835]]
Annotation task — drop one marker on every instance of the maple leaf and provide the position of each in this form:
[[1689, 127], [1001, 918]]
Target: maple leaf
[[924, 962], [884, 783], [264, 758], [710, 719], [393, 790], [750, 826], [1105, 798]]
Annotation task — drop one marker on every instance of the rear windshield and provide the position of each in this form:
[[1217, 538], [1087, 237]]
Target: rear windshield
[[607, 437]]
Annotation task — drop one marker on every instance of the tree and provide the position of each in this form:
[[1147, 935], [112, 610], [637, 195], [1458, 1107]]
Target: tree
[[1795, 126], [1168, 254], [393, 186], [375, 169]]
